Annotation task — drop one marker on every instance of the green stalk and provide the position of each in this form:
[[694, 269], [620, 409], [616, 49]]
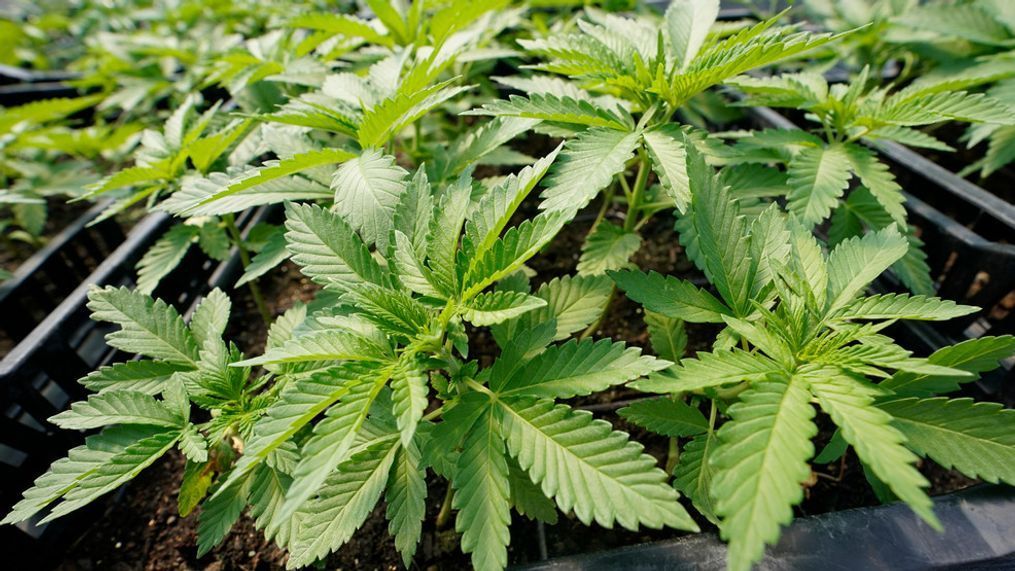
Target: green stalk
[[255, 290], [637, 191], [444, 516]]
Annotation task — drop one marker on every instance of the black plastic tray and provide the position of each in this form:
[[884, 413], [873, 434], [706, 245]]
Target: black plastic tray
[[46, 278], [978, 525]]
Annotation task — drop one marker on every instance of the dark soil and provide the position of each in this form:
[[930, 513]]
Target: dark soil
[[142, 530], [60, 213]]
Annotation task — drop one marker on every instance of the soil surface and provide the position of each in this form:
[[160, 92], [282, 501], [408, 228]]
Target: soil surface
[[141, 529]]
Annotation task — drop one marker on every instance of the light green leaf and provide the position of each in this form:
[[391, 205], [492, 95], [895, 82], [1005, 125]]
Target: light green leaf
[[117, 407], [609, 247], [148, 327], [367, 189], [495, 307], [587, 165], [665, 416], [328, 249], [570, 454], [879, 445], [760, 465], [817, 179], [164, 255]]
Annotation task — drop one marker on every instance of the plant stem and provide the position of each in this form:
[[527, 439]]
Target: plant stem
[[637, 192], [255, 290], [672, 455], [444, 516]]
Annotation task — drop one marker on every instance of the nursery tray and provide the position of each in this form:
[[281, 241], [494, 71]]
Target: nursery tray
[[977, 522], [38, 378], [46, 278], [967, 234]]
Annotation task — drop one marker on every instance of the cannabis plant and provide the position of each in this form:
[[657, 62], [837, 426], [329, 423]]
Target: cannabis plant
[[144, 407], [799, 331], [366, 393], [42, 155], [644, 72], [820, 163]]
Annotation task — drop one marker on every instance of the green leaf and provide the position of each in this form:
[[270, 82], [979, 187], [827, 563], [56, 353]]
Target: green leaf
[[817, 179], [669, 161], [273, 253], [193, 444], [123, 465], [445, 231], [670, 296], [760, 465], [148, 327], [410, 397], [211, 317], [694, 473], [510, 252], [117, 407], [977, 439], [527, 498], [332, 442], [855, 262], [276, 169], [573, 303], [323, 345], [406, 500], [367, 189], [588, 468], [879, 445], [495, 307], [328, 249], [902, 306], [103, 452], [340, 24], [687, 25], [482, 495], [218, 515], [575, 368], [298, 404], [875, 175], [213, 240], [711, 370], [344, 502], [667, 335], [267, 494], [715, 239], [495, 210], [394, 312], [665, 416], [149, 377], [973, 356], [608, 247], [164, 255], [559, 109], [587, 165], [386, 119]]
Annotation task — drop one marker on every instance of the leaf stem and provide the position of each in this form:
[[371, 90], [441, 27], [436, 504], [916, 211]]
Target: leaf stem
[[255, 290], [637, 192], [444, 516]]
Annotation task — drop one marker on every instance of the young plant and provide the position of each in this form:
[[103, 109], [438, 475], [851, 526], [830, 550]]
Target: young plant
[[368, 392], [645, 71], [29, 169], [820, 163], [800, 332], [184, 365]]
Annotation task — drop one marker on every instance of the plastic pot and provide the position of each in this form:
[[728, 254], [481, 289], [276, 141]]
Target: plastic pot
[[46, 278]]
